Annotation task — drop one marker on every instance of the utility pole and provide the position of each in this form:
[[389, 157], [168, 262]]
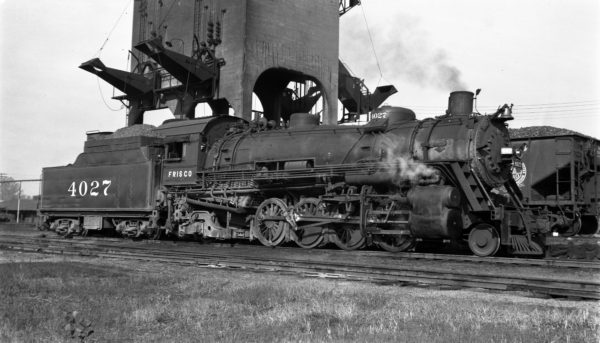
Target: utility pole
[[20, 190], [19, 202], [2, 175]]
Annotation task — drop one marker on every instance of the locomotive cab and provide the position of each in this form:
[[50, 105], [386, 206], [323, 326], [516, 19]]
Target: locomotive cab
[[186, 144]]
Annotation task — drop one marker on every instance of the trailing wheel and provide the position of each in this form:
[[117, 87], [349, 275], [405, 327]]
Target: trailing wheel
[[484, 240], [270, 225], [309, 237], [394, 243], [348, 237]]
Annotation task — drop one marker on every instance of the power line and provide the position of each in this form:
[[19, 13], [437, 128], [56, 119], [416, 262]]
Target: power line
[[559, 106], [372, 45], [527, 116], [113, 28], [516, 110], [586, 103], [562, 103], [576, 115]]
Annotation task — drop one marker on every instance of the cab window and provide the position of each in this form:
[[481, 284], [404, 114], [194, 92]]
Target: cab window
[[175, 150]]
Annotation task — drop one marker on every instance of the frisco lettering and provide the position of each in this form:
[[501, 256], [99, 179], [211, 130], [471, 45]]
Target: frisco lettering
[[179, 173]]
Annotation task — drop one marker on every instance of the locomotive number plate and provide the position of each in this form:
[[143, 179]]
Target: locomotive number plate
[[92, 188]]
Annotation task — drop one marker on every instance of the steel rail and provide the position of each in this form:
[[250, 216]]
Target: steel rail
[[402, 256], [343, 270]]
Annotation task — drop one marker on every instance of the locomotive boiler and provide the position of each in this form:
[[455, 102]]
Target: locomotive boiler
[[391, 182]]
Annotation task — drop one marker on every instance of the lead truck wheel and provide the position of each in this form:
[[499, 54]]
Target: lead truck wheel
[[484, 240]]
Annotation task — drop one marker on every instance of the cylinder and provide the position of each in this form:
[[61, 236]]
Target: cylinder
[[434, 197], [445, 224], [460, 103], [434, 212]]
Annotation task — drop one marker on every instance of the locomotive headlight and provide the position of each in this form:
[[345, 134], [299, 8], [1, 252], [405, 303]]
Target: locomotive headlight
[[506, 151]]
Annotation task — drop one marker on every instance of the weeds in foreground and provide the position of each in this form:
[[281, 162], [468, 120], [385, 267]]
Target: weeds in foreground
[[126, 304]]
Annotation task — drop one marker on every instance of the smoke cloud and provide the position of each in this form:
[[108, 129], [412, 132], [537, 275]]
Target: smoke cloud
[[403, 52]]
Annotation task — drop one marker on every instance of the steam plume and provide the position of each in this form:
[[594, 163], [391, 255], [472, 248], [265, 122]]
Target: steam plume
[[403, 52], [402, 167]]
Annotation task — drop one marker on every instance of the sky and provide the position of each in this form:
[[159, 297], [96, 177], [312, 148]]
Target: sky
[[543, 56]]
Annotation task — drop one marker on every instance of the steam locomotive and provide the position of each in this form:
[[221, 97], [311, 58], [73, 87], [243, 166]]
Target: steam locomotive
[[390, 183]]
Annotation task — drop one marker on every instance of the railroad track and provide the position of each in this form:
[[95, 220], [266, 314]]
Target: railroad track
[[263, 261], [558, 263]]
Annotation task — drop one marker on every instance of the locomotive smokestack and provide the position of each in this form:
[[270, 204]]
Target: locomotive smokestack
[[460, 103]]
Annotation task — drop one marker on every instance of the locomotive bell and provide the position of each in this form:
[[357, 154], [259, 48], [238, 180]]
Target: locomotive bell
[[504, 113], [507, 113], [460, 103]]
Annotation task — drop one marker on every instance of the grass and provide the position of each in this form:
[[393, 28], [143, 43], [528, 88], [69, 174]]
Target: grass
[[147, 302]]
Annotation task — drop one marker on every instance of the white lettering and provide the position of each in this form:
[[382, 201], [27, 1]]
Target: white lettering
[[95, 185], [180, 173], [82, 188], [107, 184], [72, 189]]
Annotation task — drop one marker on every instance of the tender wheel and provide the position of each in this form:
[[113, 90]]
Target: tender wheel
[[44, 226], [62, 231], [310, 237], [269, 224], [348, 237], [64, 227], [394, 243], [484, 240]]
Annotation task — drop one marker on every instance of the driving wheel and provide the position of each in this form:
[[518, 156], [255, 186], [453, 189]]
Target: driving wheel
[[270, 225], [312, 236]]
